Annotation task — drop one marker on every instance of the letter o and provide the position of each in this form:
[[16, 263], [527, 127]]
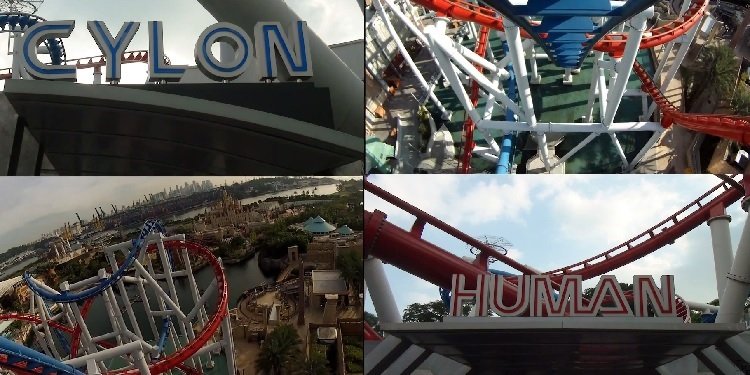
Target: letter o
[[236, 38]]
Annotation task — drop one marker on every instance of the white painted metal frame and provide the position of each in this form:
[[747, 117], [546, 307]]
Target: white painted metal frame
[[130, 345], [608, 83]]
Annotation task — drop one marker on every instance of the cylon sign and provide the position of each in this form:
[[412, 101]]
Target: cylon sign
[[537, 298], [270, 37]]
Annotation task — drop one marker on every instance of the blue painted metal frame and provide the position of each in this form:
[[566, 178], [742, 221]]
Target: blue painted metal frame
[[11, 20], [566, 23], [67, 297]]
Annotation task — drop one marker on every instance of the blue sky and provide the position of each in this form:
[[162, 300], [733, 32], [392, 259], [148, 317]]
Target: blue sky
[[335, 21], [555, 221]]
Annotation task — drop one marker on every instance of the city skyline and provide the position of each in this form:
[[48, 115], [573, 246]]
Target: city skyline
[[28, 211]]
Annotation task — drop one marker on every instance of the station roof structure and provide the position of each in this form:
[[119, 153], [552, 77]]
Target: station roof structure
[[319, 225], [562, 345], [178, 129], [344, 229], [328, 282]]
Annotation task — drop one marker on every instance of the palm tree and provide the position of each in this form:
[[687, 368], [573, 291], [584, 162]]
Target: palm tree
[[713, 75], [278, 351]]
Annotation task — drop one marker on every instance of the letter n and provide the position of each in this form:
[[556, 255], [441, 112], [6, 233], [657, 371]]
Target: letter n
[[663, 300]]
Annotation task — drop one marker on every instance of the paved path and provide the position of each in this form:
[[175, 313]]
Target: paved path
[[662, 157]]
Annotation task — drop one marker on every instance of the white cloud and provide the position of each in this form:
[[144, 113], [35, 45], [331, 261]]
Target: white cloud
[[456, 200]]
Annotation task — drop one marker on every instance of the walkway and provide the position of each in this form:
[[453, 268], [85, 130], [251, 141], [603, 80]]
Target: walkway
[[662, 157], [404, 105]]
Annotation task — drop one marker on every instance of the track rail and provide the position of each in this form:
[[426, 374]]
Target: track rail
[[613, 43], [726, 126], [96, 62], [68, 297], [480, 49]]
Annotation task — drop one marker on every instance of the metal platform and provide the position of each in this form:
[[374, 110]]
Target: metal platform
[[562, 345]]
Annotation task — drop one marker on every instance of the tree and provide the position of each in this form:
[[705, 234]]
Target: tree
[[588, 293], [352, 269], [429, 312], [237, 243], [372, 320], [278, 351], [712, 76], [317, 364]]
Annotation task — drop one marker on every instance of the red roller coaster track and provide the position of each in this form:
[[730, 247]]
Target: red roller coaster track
[[96, 62], [725, 126], [408, 251], [480, 49], [613, 43]]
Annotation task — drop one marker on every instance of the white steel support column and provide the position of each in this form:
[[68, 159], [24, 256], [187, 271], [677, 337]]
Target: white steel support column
[[575, 149], [738, 279], [194, 286], [568, 77], [620, 151], [124, 295], [684, 47], [380, 292], [414, 29], [408, 59], [111, 315], [721, 242], [650, 143], [187, 332], [531, 55], [146, 305], [603, 90], [624, 66], [515, 47], [45, 325], [226, 328], [451, 74], [17, 37], [594, 88], [666, 51]]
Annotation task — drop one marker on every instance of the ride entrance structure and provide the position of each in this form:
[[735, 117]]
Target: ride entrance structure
[[271, 92], [149, 330], [531, 321], [537, 86]]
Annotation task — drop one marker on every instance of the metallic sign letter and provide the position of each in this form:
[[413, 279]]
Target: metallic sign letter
[[236, 38], [112, 48], [34, 36], [157, 69], [293, 49], [663, 300]]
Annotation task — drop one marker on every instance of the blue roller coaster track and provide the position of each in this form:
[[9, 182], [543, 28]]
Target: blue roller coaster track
[[14, 22], [567, 32], [69, 297]]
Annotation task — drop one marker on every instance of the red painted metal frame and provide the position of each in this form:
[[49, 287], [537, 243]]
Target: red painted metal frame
[[613, 43], [409, 252], [481, 50], [726, 126], [371, 334], [96, 62]]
